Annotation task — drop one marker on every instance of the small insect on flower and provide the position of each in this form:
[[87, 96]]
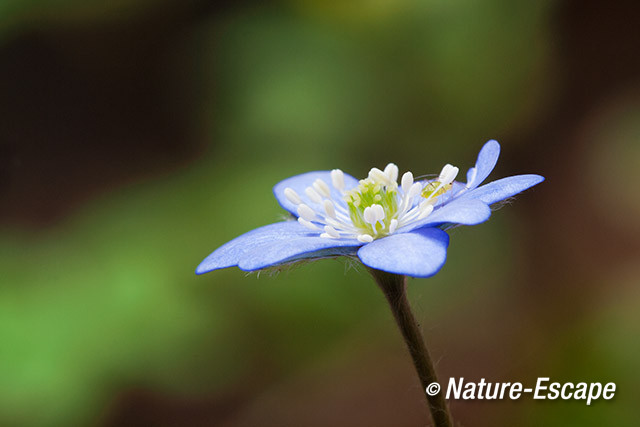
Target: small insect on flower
[[394, 228]]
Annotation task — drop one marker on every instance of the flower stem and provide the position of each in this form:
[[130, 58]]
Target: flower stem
[[394, 288]]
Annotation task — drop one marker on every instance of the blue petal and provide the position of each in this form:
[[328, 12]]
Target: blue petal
[[274, 244], [420, 253], [459, 211], [271, 253], [503, 188], [487, 159], [471, 175], [230, 254], [299, 183]]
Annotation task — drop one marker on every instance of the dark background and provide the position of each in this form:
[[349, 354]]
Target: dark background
[[137, 136]]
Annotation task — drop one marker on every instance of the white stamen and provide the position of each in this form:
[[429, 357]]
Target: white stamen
[[425, 209], [391, 171], [448, 174], [337, 179], [378, 211], [407, 182], [292, 196], [331, 231], [378, 176], [318, 211], [342, 226], [329, 208], [334, 222], [308, 224], [313, 195], [306, 212], [322, 188], [393, 225], [369, 216], [415, 189]]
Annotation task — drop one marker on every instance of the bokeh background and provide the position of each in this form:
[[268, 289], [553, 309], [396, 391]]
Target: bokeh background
[[136, 136]]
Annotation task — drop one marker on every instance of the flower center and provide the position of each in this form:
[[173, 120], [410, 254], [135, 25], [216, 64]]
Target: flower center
[[373, 205], [374, 209]]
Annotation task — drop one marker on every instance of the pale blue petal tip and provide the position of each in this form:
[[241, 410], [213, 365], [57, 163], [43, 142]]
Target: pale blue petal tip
[[487, 160], [504, 188]]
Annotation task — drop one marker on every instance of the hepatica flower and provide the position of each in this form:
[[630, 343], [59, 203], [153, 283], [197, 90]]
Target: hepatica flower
[[392, 227], [395, 229]]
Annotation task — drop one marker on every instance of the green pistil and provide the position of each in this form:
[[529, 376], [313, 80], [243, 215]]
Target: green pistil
[[367, 194]]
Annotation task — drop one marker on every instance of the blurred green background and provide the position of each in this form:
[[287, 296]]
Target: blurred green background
[[137, 136]]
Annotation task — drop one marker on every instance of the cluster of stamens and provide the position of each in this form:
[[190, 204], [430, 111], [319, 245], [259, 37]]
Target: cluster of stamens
[[376, 208]]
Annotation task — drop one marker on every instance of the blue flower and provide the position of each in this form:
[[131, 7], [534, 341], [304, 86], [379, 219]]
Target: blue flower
[[394, 228]]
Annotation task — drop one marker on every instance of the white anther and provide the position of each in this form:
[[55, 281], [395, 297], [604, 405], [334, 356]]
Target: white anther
[[369, 216], [329, 208], [425, 209], [379, 177], [448, 174], [365, 238], [306, 212], [425, 205], [337, 179], [378, 211], [292, 196], [322, 188], [391, 171], [407, 182], [393, 225], [415, 189], [331, 231], [313, 195], [309, 225]]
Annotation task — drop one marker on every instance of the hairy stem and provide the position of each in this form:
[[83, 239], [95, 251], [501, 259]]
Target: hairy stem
[[394, 288]]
